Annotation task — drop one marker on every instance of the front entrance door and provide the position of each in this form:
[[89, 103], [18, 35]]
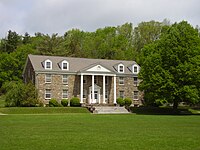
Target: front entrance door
[[96, 94], [96, 97]]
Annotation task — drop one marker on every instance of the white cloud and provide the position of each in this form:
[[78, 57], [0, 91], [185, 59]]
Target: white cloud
[[52, 16]]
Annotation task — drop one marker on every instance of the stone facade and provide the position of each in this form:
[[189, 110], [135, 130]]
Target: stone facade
[[50, 84]]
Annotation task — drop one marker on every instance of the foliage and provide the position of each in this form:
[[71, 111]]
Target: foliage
[[64, 102], [172, 65], [20, 94], [120, 101], [53, 103], [127, 102], [75, 102]]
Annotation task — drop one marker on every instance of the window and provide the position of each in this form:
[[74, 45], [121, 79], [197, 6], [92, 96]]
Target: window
[[121, 94], [48, 78], [65, 65], [121, 80], [84, 93], [47, 94], [135, 95], [135, 69], [48, 64], [65, 94], [121, 68], [65, 79], [135, 81]]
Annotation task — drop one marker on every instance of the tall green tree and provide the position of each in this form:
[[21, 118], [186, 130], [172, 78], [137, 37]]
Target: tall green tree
[[10, 43], [172, 66]]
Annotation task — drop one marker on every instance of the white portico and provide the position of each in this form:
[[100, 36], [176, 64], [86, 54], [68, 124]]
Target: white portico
[[94, 93]]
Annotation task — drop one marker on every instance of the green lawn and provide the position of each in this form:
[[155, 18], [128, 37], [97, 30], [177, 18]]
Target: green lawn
[[88, 131]]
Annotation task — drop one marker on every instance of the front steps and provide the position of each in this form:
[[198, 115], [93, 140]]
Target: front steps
[[109, 110]]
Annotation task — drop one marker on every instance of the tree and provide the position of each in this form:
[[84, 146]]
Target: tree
[[10, 43], [20, 94], [172, 66]]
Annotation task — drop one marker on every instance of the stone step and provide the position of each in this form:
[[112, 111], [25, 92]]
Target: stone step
[[110, 110]]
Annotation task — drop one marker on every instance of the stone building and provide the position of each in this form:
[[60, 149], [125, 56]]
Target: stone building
[[94, 81]]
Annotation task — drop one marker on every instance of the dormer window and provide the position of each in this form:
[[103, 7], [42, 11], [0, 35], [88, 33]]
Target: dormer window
[[48, 64], [65, 65], [121, 68], [135, 69]]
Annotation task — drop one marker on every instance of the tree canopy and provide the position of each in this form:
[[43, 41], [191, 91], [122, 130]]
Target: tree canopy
[[172, 66]]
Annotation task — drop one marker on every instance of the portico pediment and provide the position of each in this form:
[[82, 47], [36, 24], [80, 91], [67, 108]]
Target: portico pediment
[[98, 68]]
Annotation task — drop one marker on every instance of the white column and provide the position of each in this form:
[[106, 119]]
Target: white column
[[114, 101], [104, 89], [92, 88], [81, 90]]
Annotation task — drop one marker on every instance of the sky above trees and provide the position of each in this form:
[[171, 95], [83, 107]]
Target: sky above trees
[[58, 16]]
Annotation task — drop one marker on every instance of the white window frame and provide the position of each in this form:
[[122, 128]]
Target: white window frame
[[135, 97], [63, 79], [121, 94], [119, 68], [121, 80], [46, 66], [48, 78], [65, 95], [133, 69], [62, 65], [47, 92]]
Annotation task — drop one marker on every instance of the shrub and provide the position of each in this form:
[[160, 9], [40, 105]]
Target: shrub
[[19, 94], [64, 102], [53, 103], [127, 101], [120, 101], [75, 102]]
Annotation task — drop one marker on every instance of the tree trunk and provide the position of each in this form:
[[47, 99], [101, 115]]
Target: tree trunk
[[175, 105]]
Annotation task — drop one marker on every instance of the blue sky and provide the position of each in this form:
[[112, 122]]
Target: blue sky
[[59, 16]]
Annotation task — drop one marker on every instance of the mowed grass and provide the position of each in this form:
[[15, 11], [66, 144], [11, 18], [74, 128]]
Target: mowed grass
[[43, 110], [88, 131]]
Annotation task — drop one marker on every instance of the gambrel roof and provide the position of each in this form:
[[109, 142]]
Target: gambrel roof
[[78, 65]]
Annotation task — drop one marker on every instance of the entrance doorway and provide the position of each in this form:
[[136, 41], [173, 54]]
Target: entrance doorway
[[96, 94]]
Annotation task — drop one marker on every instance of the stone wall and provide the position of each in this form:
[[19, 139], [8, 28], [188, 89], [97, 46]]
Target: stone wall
[[73, 87]]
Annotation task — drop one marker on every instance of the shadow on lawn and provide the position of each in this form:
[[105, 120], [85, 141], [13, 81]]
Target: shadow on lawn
[[161, 111]]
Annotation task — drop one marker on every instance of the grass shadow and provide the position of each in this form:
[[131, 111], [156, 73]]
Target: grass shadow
[[163, 111]]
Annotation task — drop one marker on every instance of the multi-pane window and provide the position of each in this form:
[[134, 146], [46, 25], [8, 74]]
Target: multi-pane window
[[48, 64], [135, 95], [48, 94], [135, 69], [64, 65], [48, 78], [121, 94], [135, 82], [121, 80], [65, 94], [65, 79], [121, 68]]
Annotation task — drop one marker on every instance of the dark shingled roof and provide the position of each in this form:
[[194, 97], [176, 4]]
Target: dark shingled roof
[[78, 64]]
